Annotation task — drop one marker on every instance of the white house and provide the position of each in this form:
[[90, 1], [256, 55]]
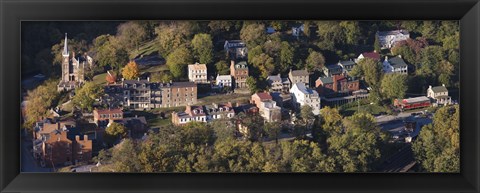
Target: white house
[[297, 31], [224, 80], [439, 94], [302, 95], [275, 83], [395, 65], [197, 73], [388, 39]]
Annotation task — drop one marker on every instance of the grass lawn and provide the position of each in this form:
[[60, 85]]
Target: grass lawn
[[145, 49], [372, 109], [235, 97], [153, 69], [100, 79]]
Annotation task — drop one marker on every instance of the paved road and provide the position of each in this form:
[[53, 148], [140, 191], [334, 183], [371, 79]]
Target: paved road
[[395, 124], [28, 163]]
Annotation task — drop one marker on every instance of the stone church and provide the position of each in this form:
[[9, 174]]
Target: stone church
[[73, 69]]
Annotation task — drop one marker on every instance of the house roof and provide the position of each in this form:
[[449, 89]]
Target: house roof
[[417, 99], [326, 80], [347, 63], [373, 55], [197, 66], [299, 73], [437, 89], [275, 78], [394, 32], [301, 87], [397, 62], [224, 77], [108, 111], [264, 95]]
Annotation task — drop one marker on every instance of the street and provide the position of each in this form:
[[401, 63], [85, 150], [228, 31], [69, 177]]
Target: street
[[28, 163]]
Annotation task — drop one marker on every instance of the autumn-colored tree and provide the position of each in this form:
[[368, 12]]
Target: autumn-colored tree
[[130, 71], [39, 102]]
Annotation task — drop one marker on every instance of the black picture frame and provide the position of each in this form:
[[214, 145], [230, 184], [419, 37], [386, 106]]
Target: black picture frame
[[12, 12]]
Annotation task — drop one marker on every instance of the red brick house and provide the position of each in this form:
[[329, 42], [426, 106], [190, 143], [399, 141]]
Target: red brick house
[[336, 84], [102, 117]]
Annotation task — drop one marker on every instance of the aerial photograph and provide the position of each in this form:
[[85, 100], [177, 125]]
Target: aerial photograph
[[232, 96]]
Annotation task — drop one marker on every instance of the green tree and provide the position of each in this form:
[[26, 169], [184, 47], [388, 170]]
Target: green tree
[[315, 61], [253, 34], [265, 64], [222, 67], [178, 60], [394, 85], [203, 48], [116, 130], [273, 130], [444, 72], [437, 148], [376, 44], [86, 95], [162, 76], [126, 159], [331, 121], [287, 53], [352, 32]]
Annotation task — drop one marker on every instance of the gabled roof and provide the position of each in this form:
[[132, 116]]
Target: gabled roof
[[224, 77], [439, 89], [299, 73], [275, 78], [197, 66], [373, 55], [264, 96], [326, 80], [397, 62], [347, 63], [301, 87]]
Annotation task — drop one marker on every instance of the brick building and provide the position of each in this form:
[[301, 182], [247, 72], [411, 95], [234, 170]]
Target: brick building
[[239, 71]]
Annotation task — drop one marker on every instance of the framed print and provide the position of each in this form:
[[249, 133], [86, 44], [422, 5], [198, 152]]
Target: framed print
[[239, 96]]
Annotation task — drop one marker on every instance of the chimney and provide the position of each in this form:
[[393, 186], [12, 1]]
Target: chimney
[[148, 79], [123, 79], [374, 51], [443, 85], [171, 81], [136, 116], [386, 58], [430, 86], [138, 78], [77, 138], [400, 56], [85, 137]]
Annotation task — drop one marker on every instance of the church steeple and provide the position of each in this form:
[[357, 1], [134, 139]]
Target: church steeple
[[65, 47]]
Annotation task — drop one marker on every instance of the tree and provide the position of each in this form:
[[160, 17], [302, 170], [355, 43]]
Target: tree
[[265, 64], [130, 34], [394, 85], [130, 71], [39, 101], [331, 121], [223, 129], [174, 34], [315, 61], [222, 67], [287, 53], [273, 129], [357, 147], [445, 72], [306, 113], [161, 76], [126, 159], [203, 48], [116, 130], [253, 34], [178, 60], [252, 85], [372, 71], [86, 95], [376, 44], [352, 32], [437, 148]]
